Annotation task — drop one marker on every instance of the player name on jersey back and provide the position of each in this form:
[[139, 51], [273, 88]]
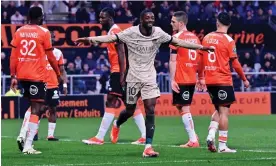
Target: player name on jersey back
[[30, 43]]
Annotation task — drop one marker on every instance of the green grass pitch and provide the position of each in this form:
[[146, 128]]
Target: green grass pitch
[[253, 136]]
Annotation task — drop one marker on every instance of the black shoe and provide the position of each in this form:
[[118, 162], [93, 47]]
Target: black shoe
[[52, 139], [20, 144], [36, 137]]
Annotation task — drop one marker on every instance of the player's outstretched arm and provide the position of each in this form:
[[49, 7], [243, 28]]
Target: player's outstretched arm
[[237, 66], [172, 66], [64, 78], [182, 43], [121, 55], [96, 39]]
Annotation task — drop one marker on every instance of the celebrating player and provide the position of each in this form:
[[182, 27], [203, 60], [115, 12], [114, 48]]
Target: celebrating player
[[115, 89], [219, 80], [143, 42], [30, 44], [183, 66]]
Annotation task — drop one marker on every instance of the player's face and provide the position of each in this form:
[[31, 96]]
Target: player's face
[[148, 20], [174, 24], [104, 18]]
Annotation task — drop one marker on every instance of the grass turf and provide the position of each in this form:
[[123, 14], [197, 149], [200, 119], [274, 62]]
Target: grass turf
[[253, 136]]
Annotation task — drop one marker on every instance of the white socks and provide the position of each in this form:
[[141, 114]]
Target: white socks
[[212, 130], [51, 129], [222, 139], [24, 127], [106, 122], [189, 126], [140, 122]]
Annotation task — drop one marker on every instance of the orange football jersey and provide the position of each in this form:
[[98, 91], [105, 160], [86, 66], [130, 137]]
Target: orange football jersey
[[216, 64], [51, 79], [187, 59], [112, 52], [30, 42]]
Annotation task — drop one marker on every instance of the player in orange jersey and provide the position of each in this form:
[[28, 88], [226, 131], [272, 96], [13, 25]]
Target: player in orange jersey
[[218, 79], [183, 69], [30, 44], [52, 96], [115, 88]]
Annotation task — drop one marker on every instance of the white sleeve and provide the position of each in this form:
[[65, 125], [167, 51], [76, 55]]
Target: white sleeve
[[124, 35], [163, 36]]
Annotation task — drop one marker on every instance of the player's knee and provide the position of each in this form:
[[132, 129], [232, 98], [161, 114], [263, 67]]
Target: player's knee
[[111, 101], [130, 108], [150, 109], [52, 110]]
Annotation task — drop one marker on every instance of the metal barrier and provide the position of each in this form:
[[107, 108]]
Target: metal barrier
[[92, 84]]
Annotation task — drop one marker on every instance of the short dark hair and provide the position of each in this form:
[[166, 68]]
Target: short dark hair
[[34, 13], [224, 18], [181, 16], [144, 12], [109, 11]]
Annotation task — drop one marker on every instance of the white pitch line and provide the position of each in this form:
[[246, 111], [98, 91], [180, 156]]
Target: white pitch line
[[161, 162], [170, 146]]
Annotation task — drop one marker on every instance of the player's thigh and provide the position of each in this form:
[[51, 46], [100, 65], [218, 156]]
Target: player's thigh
[[185, 97], [52, 97], [132, 93], [221, 95], [115, 87], [34, 91], [149, 91]]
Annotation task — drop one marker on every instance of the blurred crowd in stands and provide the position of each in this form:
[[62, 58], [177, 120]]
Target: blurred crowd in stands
[[96, 61]]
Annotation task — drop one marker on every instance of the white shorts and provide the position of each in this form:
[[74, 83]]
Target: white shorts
[[136, 89]]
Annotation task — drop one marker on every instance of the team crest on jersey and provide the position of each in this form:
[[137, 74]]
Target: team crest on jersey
[[55, 96], [222, 95], [186, 95], [235, 50], [33, 90]]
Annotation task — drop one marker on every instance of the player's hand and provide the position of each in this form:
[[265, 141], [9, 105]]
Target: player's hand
[[81, 41], [208, 49], [65, 91], [13, 84], [175, 86], [246, 84], [201, 85]]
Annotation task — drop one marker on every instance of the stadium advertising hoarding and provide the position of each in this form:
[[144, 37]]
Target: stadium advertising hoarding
[[251, 103], [69, 107], [244, 35]]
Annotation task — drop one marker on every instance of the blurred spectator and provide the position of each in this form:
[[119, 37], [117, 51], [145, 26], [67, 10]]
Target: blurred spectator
[[261, 18], [37, 4], [129, 16], [78, 64], [23, 9], [85, 69], [90, 61], [247, 59], [11, 8], [176, 7], [210, 9], [249, 18], [270, 58], [273, 83], [5, 63], [102, 60], [71, 68], [92, 15], [65, 62], [267, 66], [262, 81], [98, 70], [104, 78], [12, 93], [258, 59], [158, 66], [165, 70], [72, 9], [231, 6], [5, 19], [273, 8], [17, 18], [82, 15], [241, 8], [164, 9]]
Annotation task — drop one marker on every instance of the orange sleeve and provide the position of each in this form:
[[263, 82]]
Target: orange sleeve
[[13, 62], [115, 31], [232, 50], [60, 61], [237, 66], [53, 62], [47, 41], [15, 41]]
